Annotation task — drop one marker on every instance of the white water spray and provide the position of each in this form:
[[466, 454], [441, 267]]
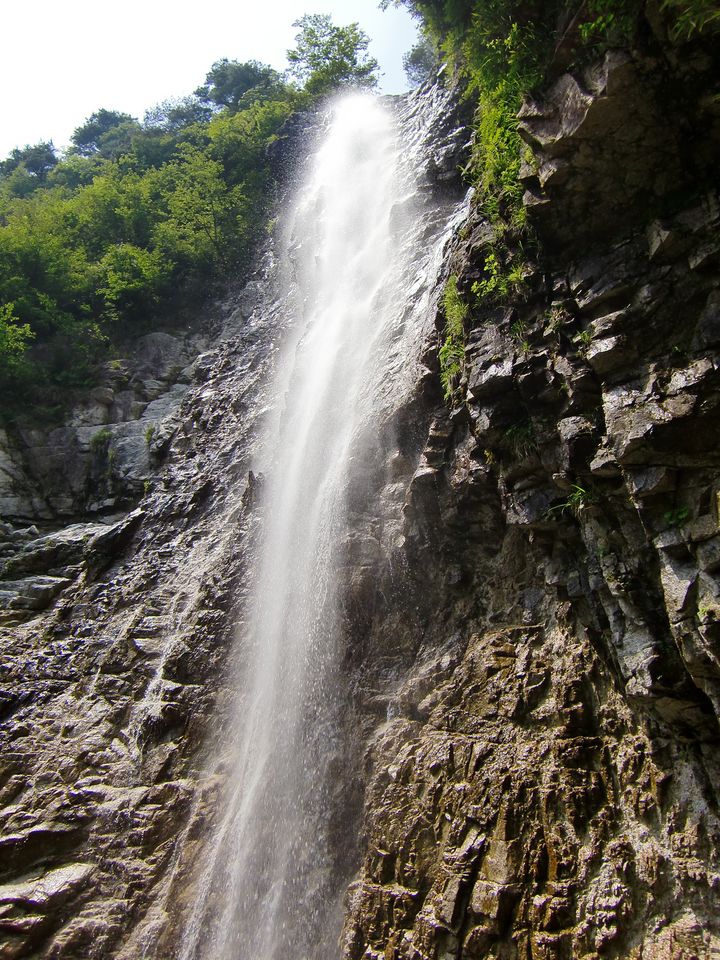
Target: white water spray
[[270, 883]]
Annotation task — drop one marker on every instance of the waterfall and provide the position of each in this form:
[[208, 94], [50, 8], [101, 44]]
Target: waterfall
[[272, 878]]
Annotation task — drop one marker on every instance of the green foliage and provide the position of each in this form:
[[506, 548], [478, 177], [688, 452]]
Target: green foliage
[[327, 57], [677, 516], [520, 439], [172, 116], [421, 62], [610, 21], [134, 219], [452, 351], [100, 440], [692, 17], [502, 60], [28, 167], [105, 132], [139, 217], [14, 338], [583, 340], [499, 48], [579, 500], [502, 277], [128, 279], [231, 84]]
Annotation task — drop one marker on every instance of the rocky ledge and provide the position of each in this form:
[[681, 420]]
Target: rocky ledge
[[544, 781]]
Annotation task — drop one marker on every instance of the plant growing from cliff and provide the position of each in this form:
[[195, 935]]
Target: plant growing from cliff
[[556, 318], [100, 440], [692, 17], [110, 466], [499, 49], [708, 612], [520, 439], [578, 501], [452, 351], [501, 278], [677, 516], [583, 341], [609, 21], [518, 329]]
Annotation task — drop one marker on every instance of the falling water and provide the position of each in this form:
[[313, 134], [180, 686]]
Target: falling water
[[270, 883]]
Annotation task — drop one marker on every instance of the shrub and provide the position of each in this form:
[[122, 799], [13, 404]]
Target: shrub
[[452, 351]]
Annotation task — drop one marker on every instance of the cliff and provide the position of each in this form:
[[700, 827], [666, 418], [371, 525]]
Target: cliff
[[531, 606], [546, 785]]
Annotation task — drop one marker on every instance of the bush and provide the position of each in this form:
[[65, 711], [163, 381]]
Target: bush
[[452, 351]]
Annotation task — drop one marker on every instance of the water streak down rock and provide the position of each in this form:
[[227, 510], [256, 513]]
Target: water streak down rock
[[130, 677], [273, 875]]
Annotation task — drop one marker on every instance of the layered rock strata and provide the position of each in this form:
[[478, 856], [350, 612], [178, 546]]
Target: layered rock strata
[[545, 783]]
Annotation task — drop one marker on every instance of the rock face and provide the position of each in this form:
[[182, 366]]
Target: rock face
[[545, 784], [110, 633], [99, 459], [532, 612]]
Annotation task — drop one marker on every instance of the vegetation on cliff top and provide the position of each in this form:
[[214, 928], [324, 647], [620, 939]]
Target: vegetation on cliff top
[[139, 218], [501, 51]]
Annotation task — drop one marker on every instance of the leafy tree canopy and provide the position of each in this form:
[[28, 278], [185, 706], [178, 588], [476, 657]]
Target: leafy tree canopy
[[328, 57], [420, 62], [228, 83], [99, 134], [38, 159], [14, 337], [136, 220], [175, 115]]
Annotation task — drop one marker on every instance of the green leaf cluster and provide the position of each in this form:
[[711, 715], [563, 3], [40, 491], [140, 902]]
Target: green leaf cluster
[[693, 16], [452, 351], [327, 58], [140, 218], [133, 221]]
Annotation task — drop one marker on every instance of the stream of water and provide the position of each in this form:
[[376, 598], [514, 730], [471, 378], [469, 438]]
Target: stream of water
[[269, 883]]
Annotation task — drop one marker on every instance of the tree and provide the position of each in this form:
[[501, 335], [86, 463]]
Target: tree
[[37, 159], [75, 171], [175, 115], [420, 62], [101, 129], [328, 57], [202, 212], [229, 82], [129, 279], [14, 337], [442, 16]]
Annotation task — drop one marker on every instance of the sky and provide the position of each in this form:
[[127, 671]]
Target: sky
[[61, 61]]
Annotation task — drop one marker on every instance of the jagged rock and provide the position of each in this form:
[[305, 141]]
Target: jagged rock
[[607, 126], [531, 628]]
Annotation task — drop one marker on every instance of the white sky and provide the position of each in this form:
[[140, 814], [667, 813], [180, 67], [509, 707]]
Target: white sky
[[64, 59]]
